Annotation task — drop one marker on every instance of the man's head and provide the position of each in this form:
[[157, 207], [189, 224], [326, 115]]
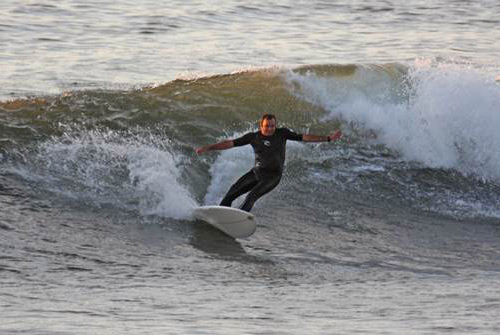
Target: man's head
[[268, 124]]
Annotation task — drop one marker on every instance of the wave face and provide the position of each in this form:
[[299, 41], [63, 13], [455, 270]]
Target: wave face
[[417, 137]]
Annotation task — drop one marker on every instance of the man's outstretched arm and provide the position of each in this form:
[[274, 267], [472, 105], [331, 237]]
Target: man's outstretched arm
[[315, 138], [227, 144]]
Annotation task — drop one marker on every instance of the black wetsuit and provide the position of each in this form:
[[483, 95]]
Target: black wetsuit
[[269, 162]]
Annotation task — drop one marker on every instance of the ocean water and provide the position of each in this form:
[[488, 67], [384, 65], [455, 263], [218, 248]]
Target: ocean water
[[395, 229]]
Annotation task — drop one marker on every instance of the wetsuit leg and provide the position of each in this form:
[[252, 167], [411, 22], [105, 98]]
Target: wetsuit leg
[[242, 186], [264, 185]]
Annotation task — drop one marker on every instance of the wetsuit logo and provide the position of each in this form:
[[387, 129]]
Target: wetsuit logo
[[267, 143]]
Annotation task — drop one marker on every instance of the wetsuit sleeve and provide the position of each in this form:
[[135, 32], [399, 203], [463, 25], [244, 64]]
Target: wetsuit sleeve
[[292, 136], [243, 140]]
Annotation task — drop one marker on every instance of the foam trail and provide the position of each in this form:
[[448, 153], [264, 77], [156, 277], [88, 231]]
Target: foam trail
[[128, 171], [446, 117], [157, 179]]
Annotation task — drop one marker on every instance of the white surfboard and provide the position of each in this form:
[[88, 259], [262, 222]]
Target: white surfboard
[[231, 221]]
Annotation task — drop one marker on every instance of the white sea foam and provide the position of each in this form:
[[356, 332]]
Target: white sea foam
[[158, 178], [138, 173], [447, 116]]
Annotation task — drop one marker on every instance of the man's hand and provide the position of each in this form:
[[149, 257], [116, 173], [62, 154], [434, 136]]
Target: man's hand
[[200, 150]]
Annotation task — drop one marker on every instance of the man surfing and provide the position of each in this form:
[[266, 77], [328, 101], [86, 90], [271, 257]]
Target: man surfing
[[269, 146]]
